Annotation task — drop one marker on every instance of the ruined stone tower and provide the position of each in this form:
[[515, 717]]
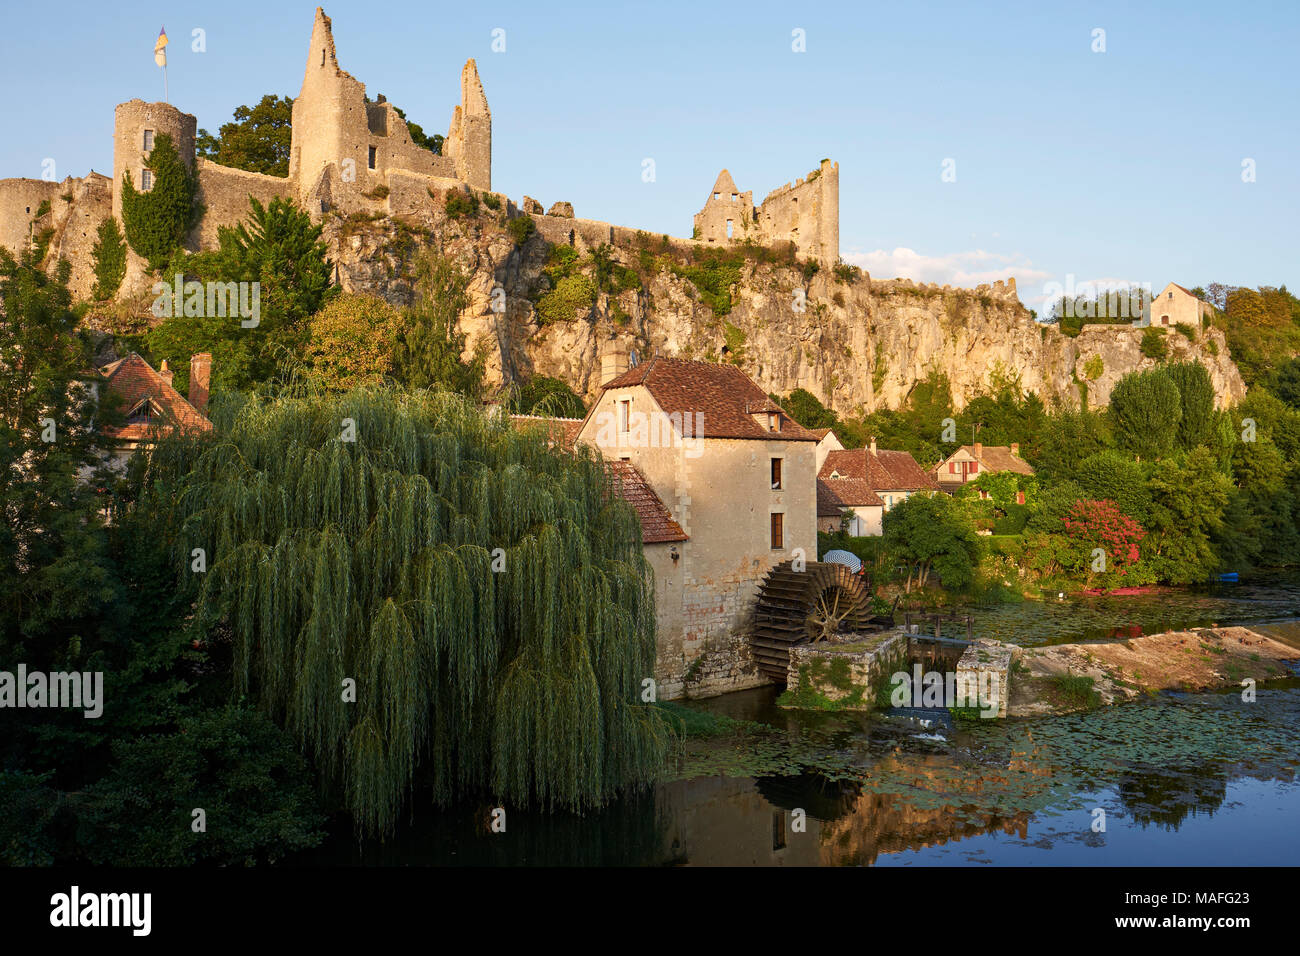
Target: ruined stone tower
[[806, 213], [469, 141], [343, 145], [136, 126]]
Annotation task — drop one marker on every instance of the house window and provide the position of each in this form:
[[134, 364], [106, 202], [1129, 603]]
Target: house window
[[1171, 295], [624, 407], [778, 531], [146, 179], [371, 158], [1164, 320], [778, 829], [148, 140], [952, 468], [974, 467], [776, 474]]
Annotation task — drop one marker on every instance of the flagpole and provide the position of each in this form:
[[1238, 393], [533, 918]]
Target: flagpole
[[165, 83]]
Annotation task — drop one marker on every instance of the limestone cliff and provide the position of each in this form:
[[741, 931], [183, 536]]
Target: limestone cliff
[[860, 343]]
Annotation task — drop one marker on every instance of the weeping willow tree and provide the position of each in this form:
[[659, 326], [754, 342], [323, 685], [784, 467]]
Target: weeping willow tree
[[357, 537]]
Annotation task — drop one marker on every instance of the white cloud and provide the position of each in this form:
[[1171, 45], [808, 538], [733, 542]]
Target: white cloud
[[958, 268]]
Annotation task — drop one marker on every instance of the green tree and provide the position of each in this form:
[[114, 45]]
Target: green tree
[[232, 762], [278, 252], [543, 395], [1111, 475], [350, 341], [1147, 409], [158, 219], [372, 559], [1188, 500], [1196, 392], [806, 409], [932, 533], [258, 139], [430, 346]]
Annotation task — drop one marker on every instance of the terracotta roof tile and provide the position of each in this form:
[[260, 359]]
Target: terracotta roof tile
[[561, 431], [994, 458], [724, 398], [834, 494], [134, 380], [657, 524], [884, 470]]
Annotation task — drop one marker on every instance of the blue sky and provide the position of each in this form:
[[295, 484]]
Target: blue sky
[[1124, 164]]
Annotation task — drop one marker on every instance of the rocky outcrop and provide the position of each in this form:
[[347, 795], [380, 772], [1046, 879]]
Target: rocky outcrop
[[855, 342]]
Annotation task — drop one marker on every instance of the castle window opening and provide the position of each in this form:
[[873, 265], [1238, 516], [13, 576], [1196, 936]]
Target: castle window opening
[[735, 197], [372, 157], [148, 140], [146, 179], [728, 228], [717, 195]]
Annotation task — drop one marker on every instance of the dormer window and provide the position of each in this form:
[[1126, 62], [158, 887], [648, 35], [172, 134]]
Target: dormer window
[[143, 413], [774, 422]]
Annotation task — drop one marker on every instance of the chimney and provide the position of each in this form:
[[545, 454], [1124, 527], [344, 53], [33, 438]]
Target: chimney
[[979, 450], [165, 371], [1015, 448], [200, 378], [873, 444], [612, 364]]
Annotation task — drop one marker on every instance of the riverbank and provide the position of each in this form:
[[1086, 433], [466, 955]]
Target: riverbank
[[1063, 678]]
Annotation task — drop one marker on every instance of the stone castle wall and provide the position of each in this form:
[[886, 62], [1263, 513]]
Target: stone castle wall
[[225, 194]]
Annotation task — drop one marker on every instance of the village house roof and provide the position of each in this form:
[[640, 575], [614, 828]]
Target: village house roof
[[150, 399], [836, 494], [882, 470], [993, 458], [723, 397], [657, 524], [561, 431]]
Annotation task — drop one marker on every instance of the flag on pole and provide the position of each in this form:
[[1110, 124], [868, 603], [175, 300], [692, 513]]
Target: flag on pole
[[160, 48]]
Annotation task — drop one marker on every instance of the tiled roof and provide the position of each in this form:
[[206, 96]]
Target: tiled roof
[[724, 398], [883, 470], [135, 381], [994, 458], [562, 431], [819, 433], [657, 524], [835, 494]]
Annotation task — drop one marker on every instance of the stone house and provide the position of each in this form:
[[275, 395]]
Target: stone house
[[737, 477], [827, 442], [851, 497], [893, 476], [968, 462], [151, 406], [1175, 305]]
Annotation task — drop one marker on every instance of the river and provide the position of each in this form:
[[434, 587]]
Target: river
[[1178, 779]]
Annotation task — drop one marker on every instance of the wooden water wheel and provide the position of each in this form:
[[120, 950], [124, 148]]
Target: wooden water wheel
[[808, 606]]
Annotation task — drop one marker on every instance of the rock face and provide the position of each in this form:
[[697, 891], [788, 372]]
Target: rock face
[[856, 344]]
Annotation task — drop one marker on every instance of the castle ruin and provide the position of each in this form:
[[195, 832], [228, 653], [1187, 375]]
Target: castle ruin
[[349, 154]]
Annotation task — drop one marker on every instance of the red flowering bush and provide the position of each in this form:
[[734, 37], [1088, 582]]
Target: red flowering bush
[[1100, 524]]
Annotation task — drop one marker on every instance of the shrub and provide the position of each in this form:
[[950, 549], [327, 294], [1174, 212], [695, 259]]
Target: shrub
[[520, 228], [109, 255], [492, 201], [379, 192], [1153, 343], [562, 304], [156, 221], [460, 205], [1093, 368], [844, 272], [1187, 331]]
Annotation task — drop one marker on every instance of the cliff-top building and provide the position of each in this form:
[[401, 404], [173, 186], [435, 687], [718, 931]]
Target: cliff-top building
[[350, 154]]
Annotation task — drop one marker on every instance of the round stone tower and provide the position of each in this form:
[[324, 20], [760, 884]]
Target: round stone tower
[[136, 126]]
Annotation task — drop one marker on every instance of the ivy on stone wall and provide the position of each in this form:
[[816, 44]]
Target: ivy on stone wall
[[109, 254], [156, 221]]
